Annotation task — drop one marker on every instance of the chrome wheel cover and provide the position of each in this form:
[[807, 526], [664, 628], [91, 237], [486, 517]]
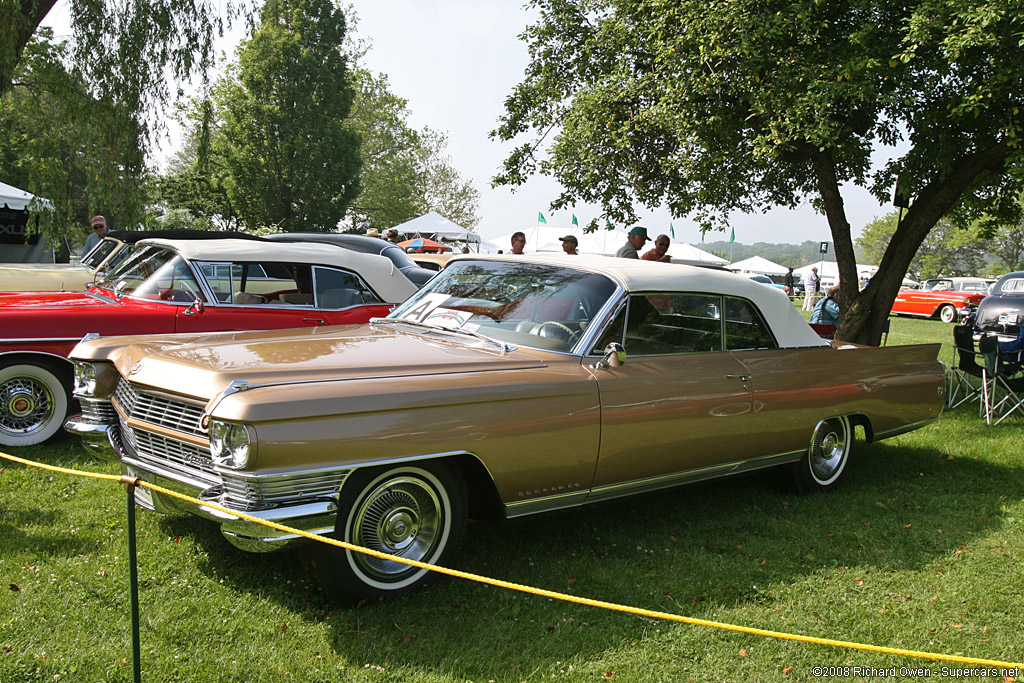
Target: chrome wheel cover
[[830, 446], [402, 516], [26, 405]]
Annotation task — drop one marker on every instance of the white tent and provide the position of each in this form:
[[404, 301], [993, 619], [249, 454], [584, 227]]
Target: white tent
[[828, 271], [759, 265], [19, 200], [688, 252], [549, 238], [436, 227]]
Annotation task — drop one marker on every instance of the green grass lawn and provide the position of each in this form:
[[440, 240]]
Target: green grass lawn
[[920, 549]]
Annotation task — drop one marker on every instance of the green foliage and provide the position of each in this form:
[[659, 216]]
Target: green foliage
[[391, 171], [443, 189], [291, 160], [710, 108], [403, 172], [85, 155], [946, 251]]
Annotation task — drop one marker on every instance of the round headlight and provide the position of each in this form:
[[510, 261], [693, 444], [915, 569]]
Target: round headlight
[[229, 444], [85, 379]]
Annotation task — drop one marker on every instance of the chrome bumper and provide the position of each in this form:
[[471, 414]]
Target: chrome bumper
[[316, 517]]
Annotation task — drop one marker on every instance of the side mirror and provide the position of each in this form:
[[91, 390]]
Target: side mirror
[[194, 308], [614, 357]]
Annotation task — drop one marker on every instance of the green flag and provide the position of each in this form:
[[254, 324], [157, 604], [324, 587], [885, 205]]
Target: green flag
[[732, 237], [702, 237], [541, 219], [574, 221], [608, 224], [672, 230]]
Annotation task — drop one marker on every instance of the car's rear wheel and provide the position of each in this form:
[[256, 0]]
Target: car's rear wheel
[[415, 511], [947, 313], [827, 455], [33, 403]]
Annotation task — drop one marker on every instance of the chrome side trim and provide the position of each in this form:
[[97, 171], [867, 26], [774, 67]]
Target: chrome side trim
[[612, 491], [669, 480], [546, 504], [12, 340]]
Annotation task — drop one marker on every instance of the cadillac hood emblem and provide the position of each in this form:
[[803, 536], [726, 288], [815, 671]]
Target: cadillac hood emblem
[[135, 368]]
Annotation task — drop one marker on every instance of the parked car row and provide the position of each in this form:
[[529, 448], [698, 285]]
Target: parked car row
[[385, 404], [175, 286]]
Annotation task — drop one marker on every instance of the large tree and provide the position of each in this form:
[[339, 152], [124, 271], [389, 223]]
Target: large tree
[[83, 155], [718, 106], [292, 160]]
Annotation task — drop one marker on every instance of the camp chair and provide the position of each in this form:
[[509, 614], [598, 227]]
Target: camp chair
[[1004, 383], [962, 388]]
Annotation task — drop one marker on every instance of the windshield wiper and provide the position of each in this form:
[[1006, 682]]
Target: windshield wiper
[[505, 348]]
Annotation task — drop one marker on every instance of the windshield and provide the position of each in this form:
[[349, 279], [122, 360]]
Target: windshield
[[154, 273], [524, 304], [937, 285], [98, 253]]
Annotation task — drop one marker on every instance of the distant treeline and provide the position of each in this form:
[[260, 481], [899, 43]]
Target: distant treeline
[[789, 255]]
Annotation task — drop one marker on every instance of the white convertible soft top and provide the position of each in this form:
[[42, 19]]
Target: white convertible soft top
[[378, 272], [636, 276]]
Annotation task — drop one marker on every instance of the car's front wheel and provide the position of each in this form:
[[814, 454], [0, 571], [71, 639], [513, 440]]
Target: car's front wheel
[[33, 403], [827, 455], [415, 511], [947, 313]]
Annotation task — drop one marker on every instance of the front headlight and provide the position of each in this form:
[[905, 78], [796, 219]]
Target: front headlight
[[230, 444], [85, 379]]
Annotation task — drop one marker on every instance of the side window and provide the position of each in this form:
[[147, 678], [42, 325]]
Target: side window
[[335, 288], [744, 327], [661, 324]]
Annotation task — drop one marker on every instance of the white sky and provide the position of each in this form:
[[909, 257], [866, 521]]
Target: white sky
[[456, 61]]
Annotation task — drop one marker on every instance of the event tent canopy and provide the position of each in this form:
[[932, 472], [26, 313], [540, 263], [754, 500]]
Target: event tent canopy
[[759, 265], [437, 227], [19, 200]]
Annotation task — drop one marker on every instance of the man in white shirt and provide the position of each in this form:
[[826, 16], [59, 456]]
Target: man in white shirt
[[811, 284]]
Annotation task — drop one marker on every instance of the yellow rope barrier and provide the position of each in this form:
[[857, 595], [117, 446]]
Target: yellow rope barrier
[[536, 591]]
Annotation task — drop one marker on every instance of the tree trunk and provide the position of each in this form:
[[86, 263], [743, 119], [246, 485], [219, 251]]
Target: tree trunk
[[864, 314], [21, 26]]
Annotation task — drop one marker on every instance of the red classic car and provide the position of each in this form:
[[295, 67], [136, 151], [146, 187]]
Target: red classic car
[[170, 286], [945, 298]]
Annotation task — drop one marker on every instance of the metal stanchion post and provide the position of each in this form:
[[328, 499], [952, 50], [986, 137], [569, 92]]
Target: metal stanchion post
[[133, 580]]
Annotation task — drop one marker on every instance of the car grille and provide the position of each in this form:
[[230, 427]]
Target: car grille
[[99, 411], [159, 410], [194, 464]]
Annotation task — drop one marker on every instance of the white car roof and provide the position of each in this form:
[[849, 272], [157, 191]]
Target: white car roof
[[378, 271], [638, 276]]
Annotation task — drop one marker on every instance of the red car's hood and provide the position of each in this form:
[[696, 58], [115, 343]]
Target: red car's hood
[[48, 300]]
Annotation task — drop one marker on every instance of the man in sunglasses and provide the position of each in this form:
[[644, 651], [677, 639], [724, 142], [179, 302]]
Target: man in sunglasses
[[660, 250], [99, 231]]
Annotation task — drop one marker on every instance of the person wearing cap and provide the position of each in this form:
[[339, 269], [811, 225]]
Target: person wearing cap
[[393, 236], [635, 241], [99, 231], [570, 244], [518, 242], [660, 250]]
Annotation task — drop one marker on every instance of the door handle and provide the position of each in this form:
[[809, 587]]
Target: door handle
[[318, 321], [742, 378]]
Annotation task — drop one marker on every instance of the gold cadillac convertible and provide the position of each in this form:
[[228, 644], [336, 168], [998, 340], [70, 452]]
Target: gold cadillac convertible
[[507, 386]]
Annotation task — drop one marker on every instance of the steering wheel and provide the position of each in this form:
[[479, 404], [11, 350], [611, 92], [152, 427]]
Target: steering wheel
[[186, 286], [537, 330]]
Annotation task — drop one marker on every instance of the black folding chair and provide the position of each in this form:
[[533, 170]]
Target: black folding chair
[[964, 371], [1004, 383]]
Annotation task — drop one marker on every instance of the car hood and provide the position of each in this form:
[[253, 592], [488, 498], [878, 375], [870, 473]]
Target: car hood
[[47, 300], [204, 365], [14, 276]]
